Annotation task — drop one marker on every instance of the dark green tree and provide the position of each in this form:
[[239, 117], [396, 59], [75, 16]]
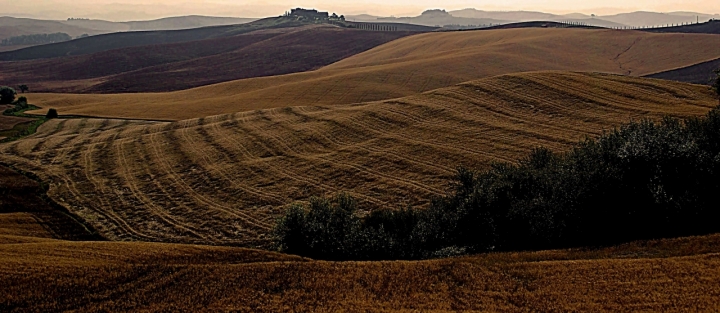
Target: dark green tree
[[21, 103], [52, 113], [23, 88], [7, 95], [716, 83]]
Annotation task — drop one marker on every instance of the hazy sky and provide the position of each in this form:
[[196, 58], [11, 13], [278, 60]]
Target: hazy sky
[[119, 10]]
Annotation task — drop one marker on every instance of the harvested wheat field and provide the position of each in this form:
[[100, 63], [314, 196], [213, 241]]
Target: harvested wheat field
[[41, 274], [408, 66], [223, 179], [52, 275]]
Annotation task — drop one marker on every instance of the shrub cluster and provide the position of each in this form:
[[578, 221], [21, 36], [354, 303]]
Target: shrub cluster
[[19, 105], [644, 180]]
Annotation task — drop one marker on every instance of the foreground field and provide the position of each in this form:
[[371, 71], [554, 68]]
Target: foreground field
[[40, 275], [9, 123], [409, 66], [223, 179]]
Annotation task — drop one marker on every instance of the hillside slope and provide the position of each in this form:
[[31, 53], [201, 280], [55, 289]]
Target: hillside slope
[[111, 41], [190, 64], [11, 27], [42, 274], [223, 179], [701, 73], [411, 65], [658, 276], [168, 23], [710, 27]]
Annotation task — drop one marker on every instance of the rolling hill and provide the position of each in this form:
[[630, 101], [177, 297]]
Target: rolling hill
[[709, 27], [113, 41], [120, 40], [409, 66], [185, 65], [42, 274], [655, 19], [168, 23], [440, 18], [220, 179], [11, 26], [223, 179], [701, 73]]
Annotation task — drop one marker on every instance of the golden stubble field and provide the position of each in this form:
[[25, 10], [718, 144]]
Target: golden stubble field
[[42, 275], [224, 179], [409, 66]]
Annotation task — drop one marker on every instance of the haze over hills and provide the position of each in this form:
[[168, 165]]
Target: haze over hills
[[639, 19], [10, 26], [184, 65], [472, 16], [442, 18], [120, 40], [411, 65]]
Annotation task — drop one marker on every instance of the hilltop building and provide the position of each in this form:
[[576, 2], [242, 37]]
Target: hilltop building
[[309, 14], [314, 16]]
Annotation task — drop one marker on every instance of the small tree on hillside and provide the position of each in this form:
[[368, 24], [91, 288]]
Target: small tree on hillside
[[52, 113], [23, 88], [7, 95]]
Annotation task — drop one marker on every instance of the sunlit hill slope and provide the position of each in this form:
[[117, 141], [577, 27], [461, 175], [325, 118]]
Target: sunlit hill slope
[[411, 65], [223, 179]]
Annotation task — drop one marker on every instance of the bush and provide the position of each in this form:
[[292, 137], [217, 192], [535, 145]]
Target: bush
[[7, 95], [644, 180], [21, 103], [52, 113], [328, 230]]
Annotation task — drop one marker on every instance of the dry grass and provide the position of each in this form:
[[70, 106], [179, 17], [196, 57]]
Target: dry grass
[[21, 225], [8, 122], [223, 179], [657, 276], [411, 65]]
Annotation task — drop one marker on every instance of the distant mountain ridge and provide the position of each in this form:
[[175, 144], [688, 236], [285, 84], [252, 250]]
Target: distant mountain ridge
[[11, 26], [479, 17]]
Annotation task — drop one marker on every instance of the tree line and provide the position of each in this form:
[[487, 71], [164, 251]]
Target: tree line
[[36, 39], [643, 180]]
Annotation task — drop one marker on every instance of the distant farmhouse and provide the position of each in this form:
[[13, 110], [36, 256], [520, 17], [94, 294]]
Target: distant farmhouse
[[313, 15], [309, 14]]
